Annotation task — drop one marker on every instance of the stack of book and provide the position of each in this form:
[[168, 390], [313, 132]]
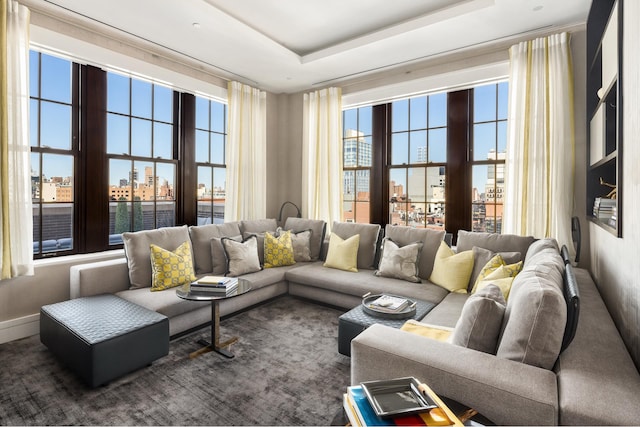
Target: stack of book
[[360, 413], [389, 304], [217, 284], [604, 209]]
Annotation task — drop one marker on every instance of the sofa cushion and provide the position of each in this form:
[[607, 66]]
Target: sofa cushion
[[536, 314], [482, 256], [358, 284], [403, 235], [278, 251], [452, 270], [137, 248], [399, 262], [369, 234], [480, 321], [171, 268], [317, 227], [343, 254], [493, 241], [242, 257], [201, 246], [258, 225]]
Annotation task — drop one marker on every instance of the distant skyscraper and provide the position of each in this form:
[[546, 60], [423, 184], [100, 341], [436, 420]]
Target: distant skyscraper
[[356, 152]]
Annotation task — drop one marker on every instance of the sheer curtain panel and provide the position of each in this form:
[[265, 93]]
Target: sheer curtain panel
[[16, 233], [322, 156], [246, 154], [539, 175]]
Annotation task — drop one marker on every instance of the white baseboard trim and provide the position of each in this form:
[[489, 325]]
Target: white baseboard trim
[[21, 327]]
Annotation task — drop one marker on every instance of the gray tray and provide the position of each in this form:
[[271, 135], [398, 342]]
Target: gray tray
[[399, 396], [409, 311]]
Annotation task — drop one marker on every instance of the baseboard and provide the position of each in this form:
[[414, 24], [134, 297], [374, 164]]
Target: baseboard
[[21, 327]]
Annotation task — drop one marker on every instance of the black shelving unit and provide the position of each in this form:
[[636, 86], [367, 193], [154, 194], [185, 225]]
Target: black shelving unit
[[604, 108]]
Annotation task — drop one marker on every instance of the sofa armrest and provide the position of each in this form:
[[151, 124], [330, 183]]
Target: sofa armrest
[[502, 390], [100, 277]]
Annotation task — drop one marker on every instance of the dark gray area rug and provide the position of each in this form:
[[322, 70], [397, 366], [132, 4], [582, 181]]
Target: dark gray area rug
[[287, 371]]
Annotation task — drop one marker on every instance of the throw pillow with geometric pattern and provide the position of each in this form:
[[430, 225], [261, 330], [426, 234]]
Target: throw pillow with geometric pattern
[[278, 251], [171, 269]]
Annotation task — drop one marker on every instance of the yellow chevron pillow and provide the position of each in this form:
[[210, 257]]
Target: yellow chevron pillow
[[170, 269], [278, 251]]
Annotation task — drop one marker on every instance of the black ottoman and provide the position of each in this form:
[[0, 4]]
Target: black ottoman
[[103, 337], [357, 320]]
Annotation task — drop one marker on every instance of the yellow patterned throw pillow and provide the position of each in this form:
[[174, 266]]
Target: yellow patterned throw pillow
[[452, 270], [170, 269], [278, 251], [502, 277], [494, 264]]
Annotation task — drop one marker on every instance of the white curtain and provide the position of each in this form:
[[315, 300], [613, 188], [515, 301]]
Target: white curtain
[[16, 233], [322, 156], [246, 154], [539, 176]]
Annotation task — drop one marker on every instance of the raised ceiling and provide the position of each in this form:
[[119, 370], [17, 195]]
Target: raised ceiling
[[294, 45]]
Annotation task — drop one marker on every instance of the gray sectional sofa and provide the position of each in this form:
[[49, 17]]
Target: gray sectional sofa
[[531, 378]]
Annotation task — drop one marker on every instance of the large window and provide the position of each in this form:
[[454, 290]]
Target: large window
[[142, 156], [417, 166], [211, 137], [489, 150], [357, 155], [435, 150], [111, 153], [53, 133]]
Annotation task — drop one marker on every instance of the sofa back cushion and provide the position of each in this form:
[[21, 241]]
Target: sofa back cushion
[[369, 235], [403, 235], [494, 242], [317, 227], [536, 314], [480, 321], [258, 228], [201, 236], [137, 248]]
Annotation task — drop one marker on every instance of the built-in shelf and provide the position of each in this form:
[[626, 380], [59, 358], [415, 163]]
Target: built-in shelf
[[604, 108]]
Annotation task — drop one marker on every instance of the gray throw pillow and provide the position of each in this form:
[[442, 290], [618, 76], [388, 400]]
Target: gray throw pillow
[[301, 242], [317, 227], [480, 322], [218, 259], [399, 262], [242, 257]]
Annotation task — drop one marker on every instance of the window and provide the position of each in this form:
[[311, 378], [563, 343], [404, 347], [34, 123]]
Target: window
[[417, 166], [357, 154], [54, 147], [488, 160], [429, 154], [142, 156], [211, 137]]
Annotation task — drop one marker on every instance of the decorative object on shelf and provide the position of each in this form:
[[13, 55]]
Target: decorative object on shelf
[[613, 194]]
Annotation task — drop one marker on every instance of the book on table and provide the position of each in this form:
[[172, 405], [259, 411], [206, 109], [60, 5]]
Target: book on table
[[215, 280], [228, 286], [389, 303]]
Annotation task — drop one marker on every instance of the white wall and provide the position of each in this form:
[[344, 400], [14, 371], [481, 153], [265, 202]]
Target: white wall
[[614, 261]]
